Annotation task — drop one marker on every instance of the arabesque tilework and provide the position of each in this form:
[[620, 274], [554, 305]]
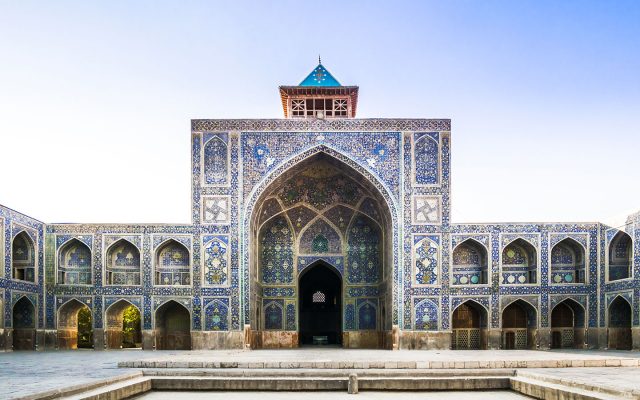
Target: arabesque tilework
[[272, 198]]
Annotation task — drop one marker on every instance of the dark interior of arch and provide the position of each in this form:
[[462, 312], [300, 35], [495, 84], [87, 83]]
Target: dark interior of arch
[[23, 258], [620, 324], [320, 305], [620, 256], [173, 327], [24, 325]]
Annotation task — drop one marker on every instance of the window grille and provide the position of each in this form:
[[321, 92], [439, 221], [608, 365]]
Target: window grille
[[318, 297]]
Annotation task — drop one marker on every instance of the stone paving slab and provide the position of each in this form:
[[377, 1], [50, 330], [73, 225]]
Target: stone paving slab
[[24, 373], [613, 379]]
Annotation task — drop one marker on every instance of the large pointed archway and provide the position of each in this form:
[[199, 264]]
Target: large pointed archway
[[321, 209]]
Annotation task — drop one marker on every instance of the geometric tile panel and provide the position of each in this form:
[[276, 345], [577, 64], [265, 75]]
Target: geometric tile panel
[[215, 209], [427, 210]]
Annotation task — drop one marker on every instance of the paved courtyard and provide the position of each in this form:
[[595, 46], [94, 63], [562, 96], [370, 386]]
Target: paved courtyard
[[24, 373]]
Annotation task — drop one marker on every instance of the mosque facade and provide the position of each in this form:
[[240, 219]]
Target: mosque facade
[[319, 229]]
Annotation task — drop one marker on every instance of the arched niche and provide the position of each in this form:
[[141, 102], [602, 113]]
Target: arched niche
[[320, 238], [173, 327], [23, 317], [620, 257], [122, 264], [23, 258], [470, 263], [216, 161], [568, 325], [519, 326], [567, 262], [519, 263], [75, 325], [619, 324], [317, 208], [123, 325], [469, 326], [426, 160], [74, 263], [172, 264]]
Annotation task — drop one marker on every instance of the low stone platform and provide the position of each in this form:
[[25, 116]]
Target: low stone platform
[[384, 359], [188, 381], [95, 374]]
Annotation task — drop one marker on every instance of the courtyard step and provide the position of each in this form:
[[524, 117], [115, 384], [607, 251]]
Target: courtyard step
[[327, 373]]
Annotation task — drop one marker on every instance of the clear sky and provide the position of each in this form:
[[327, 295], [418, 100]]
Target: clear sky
[[96, 97]]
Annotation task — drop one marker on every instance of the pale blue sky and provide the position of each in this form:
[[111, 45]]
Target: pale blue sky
[[96, 98]]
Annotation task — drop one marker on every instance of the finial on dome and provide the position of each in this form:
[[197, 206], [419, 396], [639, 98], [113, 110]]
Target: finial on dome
[[319, 60]]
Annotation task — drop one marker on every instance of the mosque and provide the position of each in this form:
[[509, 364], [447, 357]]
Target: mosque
[[319, 229]]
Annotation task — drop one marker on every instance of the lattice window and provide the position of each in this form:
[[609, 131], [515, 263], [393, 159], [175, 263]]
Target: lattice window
[[298, 108], [340, 107], [474, 339], [319, 297], [466, 339], [567, 338], [521, 339], [319, 107]]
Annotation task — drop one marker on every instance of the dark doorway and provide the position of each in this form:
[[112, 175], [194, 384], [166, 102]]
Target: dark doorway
[[24, 325], [320, 305], [518, 326], [173, 327], [567, 325], [620, 324]]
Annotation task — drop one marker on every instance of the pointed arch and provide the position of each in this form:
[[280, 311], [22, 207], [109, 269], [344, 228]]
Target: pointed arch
[[172, 264], [519, 324], [469, 326], [173, 326], [620, 257], [23, 315], [426, 160], [75, 325], [216, 161], [273, 315], [470, 262], [567, 262], [23, 257], [320, 304], [75, 263], [217, 315], [619, 321], [519, 262], [426, 315], [122, 264], [568, 323], [319, 236], [121, 332], [317, 182]]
